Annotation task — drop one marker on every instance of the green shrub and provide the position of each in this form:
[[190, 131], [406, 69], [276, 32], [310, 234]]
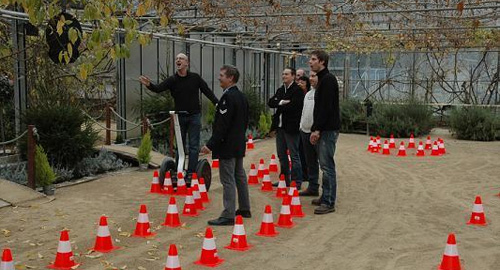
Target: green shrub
[[351, 113], [210, 115], [6, 110], [401, 119], [44, 175], [255, 107], [264, 124], [474, 123], [144, 151]]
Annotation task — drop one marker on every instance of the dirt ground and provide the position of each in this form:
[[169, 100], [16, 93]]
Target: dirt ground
[[392, 213]]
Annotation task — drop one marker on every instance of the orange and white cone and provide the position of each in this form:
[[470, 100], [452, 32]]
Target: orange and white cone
[[295, 206], [104, 242], [189, 206], [292, 188], [267, 226], [435, 149], [172, 217], [198, 202], [239, 237], [168, 188], [385, 150], [392, 142], [143, 228], [181, 185], [281, 191], [252, 176], [477, 217], [215, 163], [203, 191], [451, 260], [273, 164], [155, 185], [375, 146], [402, 150], [7, 262], [377, 140], [420, 150], [250, 144], [64, 256], [428, 143], [370, 145], [441, 148], [266, 182], [260, 172], [172, 259], [209, 256], [411, 144], [194, 179], [285, 218]]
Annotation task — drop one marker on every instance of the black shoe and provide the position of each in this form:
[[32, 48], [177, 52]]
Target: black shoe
[[324, 209], [243, 213], [309, 192], [316, 202], [222, 221]]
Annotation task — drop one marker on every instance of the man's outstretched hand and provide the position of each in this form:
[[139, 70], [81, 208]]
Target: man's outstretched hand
[[145, 80], [205, 150]]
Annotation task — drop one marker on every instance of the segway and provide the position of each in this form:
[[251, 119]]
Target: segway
[[203, 168]]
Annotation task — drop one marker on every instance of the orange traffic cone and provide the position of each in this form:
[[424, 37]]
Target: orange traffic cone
[[402, 150], [104, 242], [375, 146], [250, 144], [189, 206], [172, 217], [215, 163], [281, 191], [209, 255], [172, 259], [420, 150], [198, 202], [64, 257], [451, 260], [252, 176], [181, 185], [168, 188], [441, 148], [392, 142], [7, 262], [273, 165], [385, 150], [435, 149], [203, 191], [292, 188], [377, 140], [370, 145], [260, 172], [239, 238], [428, 143], [266, 182], [285, 218], [267, 226], [142, 228], [194, 180], [295, 206], [155, 185], [477, 217], [411, 144]]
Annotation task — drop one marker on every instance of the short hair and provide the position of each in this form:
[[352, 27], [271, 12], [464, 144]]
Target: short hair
[[292, 70], [322, 56], [231, 71], [308, 82]]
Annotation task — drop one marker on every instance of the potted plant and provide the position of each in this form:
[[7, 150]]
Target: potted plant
[[44, 175], [144, 151]]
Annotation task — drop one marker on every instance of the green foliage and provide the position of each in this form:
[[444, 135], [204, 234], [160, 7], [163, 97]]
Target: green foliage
[[474, 123], [264, 124], [210, 115], [351, 113], [103, 162], [7, 113], [144, 151], [44, 175], [401, 119], [256, 107]]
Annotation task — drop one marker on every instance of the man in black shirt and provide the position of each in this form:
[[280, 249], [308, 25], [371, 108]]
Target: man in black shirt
[[185, 87]]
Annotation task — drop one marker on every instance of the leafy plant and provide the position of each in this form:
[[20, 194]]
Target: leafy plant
[[44, 175], [210, 115], [351, 114], [144, 151], [102, 162], [474, 123], [264, 124], [255, 106]]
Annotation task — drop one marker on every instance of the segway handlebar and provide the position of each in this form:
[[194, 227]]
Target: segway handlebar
[[178, 112]]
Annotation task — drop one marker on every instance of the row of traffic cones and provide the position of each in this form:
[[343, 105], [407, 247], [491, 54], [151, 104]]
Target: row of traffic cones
[[438, 148], [182, 189]]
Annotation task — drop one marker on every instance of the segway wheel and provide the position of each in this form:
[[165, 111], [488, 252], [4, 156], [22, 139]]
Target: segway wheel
[[204, 170], [168, 164]]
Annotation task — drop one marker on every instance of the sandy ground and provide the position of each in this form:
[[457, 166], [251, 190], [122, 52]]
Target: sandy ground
[[392, 213]]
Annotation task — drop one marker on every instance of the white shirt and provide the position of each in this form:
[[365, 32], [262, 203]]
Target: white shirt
[[306, 120]]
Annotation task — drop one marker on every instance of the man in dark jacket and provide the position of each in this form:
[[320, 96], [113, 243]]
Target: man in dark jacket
[[185, 87], [288, 101], [228, 143], [325, 129]]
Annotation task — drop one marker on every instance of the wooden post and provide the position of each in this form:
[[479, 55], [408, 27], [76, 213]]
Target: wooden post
[[144, 125], [31, 157], [108, 124]]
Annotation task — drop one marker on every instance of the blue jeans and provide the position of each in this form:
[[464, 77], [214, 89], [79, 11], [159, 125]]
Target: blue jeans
[[191, 126], [311, 155], [289, 141], [326, 151]]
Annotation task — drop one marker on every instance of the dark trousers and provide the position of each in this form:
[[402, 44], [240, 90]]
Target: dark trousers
[[233, 179], [289, 141], [190, 129], [312, 161]]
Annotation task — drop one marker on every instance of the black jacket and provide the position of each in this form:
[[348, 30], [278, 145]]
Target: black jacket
[[326, 114], [231, 120], [291, 112]]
